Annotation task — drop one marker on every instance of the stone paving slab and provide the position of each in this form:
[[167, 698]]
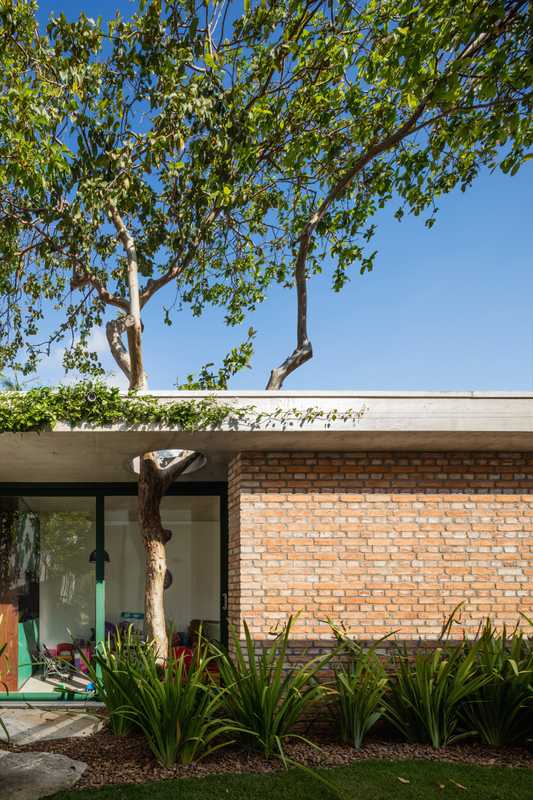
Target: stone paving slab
[[29, 776], [30, 725]]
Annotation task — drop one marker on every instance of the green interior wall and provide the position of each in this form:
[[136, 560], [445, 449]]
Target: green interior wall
[[28, 639]]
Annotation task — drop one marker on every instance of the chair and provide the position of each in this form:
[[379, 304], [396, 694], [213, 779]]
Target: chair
[[52, 665]]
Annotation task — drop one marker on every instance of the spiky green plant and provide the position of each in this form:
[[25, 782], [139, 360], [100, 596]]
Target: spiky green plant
[[360, 682], [112, 670], [361, 685], [501, 709], [265, 696], [426, 693], [178, 708]]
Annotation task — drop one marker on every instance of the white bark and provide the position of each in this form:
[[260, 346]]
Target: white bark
[[132, 324]]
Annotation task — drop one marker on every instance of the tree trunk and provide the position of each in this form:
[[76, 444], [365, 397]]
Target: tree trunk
[[154, 606], [151, 490], [154, 480]]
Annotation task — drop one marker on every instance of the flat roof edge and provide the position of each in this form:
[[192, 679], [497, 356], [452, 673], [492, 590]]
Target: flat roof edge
[[344, 393]]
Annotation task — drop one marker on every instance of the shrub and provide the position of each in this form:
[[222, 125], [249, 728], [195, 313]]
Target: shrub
[[360, 686], [177, 708], [113, 671], [360, 682], [427, 692], [501, 709], [175, 705], [264, 697]]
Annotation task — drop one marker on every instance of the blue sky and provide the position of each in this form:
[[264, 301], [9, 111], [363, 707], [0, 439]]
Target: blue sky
[[444, 309]]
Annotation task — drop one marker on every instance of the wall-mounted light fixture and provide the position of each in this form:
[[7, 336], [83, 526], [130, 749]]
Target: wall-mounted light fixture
[[92, 557]]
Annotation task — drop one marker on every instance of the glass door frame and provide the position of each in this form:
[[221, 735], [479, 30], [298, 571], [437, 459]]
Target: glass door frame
[[100, 491]]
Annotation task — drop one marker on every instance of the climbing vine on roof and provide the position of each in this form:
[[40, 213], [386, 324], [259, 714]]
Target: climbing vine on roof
[[89, 403]]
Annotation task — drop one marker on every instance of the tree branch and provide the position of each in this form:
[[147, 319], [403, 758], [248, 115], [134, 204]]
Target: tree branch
[[176, 267], [137, 376], [162, 477], [303, 351], [81, 278], [177, 467], [114, 330]]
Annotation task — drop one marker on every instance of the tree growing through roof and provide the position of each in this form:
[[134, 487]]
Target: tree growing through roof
[[211, 150]]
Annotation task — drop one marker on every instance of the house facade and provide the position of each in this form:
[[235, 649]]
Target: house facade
[[383, 511]]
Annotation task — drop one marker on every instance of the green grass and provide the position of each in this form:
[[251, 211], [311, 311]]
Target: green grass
[[364, 780]]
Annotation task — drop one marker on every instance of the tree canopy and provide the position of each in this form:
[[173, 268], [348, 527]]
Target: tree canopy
[[216, 149], [201, 151]]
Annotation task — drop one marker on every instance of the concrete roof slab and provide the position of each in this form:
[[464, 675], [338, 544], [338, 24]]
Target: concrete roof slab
[[388, 421]]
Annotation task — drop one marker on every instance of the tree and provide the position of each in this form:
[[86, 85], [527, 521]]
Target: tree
[[150, 176], [216, 151], [408, 101]]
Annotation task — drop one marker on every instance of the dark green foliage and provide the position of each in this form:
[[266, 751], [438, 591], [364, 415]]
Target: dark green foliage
[[361, 683], [112, 670], [501, 710], [427, 688], [176, 708], [480, 687], [361, 687], [427, 691], [437, 696], [265, 696]]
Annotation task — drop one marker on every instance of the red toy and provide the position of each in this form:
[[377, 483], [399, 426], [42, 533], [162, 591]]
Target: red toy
[[66, 651]]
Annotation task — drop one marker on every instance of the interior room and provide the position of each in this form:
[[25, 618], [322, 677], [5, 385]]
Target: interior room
[[48, 601]]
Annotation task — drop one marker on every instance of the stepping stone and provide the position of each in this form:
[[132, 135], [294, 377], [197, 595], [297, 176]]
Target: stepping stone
[[29, 725], [28, 776]]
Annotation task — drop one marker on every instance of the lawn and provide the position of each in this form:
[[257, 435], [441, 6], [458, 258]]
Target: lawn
[[365, 780]]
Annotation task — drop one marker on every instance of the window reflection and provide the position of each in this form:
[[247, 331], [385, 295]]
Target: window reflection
[[47, 585]]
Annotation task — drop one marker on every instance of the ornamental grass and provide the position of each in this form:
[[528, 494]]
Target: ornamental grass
[[250, 693]]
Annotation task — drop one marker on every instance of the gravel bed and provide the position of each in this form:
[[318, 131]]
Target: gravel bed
[[119, 760]]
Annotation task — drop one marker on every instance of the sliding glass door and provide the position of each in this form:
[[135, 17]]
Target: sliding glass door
[[72, 569], [47, 588]]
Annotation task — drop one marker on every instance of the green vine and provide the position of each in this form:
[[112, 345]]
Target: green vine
[[90, 403]]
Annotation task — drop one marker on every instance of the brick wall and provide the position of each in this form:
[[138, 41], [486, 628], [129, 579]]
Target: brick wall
[[381, 541]]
